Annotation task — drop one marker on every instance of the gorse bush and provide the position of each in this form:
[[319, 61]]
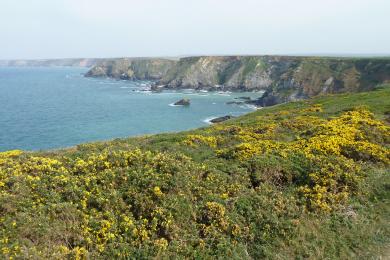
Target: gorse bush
[[237, 190]]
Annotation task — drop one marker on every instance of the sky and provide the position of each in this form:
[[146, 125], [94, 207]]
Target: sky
[[43, 29]]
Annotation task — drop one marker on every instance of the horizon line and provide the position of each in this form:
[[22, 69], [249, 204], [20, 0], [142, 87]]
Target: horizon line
[[324, 54]]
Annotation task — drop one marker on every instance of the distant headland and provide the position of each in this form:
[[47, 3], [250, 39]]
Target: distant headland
[[283, 78]]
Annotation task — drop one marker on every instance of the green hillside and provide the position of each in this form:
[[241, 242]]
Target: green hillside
[[307, 179]]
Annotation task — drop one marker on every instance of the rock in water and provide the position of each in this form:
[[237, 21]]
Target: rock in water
[[183, 102], [157, 88], [221, 119], [234, 103], [243, 98]]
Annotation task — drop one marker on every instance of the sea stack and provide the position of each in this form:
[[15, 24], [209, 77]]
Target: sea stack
[[183, 102]]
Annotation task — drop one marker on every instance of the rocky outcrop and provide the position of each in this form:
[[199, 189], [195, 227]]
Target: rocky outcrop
[[235, 102], [216, 73], [221, 119], [283, 78], [316, 76], [183, 102], [243, 98], [132, 68]]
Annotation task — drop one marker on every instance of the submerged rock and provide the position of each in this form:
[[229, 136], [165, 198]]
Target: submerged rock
[[183, 102], [221, 119], [243, 98], [234, 103]]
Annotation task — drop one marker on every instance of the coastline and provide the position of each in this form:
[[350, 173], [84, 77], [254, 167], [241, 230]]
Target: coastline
[[282, 78], [62, 108]]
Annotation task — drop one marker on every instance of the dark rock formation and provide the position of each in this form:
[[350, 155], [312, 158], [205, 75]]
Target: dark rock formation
[[221, 119], [157, 88], [243, 98], [183, 102], [234, 102]]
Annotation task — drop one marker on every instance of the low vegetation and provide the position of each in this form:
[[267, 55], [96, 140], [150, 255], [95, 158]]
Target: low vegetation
[[306, 179]]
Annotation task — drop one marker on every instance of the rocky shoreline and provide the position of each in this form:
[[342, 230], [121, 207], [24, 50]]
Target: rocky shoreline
[[283, 78]]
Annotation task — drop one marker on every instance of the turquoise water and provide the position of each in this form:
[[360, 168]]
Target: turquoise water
[[45, 108]]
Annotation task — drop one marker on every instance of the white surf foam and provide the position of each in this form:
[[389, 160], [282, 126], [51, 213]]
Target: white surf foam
[[221, 93], [248, 106], [173, 105], [207, 120]]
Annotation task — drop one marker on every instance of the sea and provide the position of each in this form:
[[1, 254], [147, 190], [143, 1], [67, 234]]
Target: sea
[[43, 108]]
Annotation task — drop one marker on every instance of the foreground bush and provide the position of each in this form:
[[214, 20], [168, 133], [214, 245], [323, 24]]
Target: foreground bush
[[285, 179]]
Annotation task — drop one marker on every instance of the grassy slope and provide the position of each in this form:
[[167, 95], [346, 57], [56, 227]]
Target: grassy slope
[[211, 202], [377, 101]]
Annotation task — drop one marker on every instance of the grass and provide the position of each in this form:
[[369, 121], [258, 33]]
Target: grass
[[307, 179]]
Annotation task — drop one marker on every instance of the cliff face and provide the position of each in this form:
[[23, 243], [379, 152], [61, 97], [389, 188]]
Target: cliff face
[[228, 73], [51, 63], [127, 68], [283, 78], [309, 77]]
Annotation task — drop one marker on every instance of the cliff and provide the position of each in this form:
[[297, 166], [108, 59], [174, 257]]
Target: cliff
[[310, 77], [132, 68], [284, 78]]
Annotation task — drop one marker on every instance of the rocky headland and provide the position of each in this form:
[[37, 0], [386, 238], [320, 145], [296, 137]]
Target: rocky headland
[[283, 78]]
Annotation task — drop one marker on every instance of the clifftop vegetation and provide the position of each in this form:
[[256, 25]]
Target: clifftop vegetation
[[307, 179]]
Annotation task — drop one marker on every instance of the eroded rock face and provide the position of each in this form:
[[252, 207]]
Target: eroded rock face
[[283, 78], [97, 71], [128, 68]]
